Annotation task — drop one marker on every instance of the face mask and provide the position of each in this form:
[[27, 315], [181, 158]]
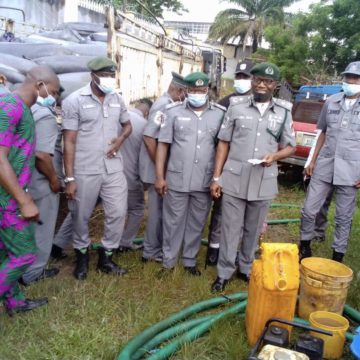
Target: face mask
[[350, 89], [260, 97], [242, 86], [197, 100], [107, 84], [49, 101]]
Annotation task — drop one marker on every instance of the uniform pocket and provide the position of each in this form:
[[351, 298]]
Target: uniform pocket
[[231, 175], [174, 174], [269, 185]]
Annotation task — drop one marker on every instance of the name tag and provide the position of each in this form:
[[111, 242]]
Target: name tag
[[88, 106], [336, 112], [115, 105], [184, 118]]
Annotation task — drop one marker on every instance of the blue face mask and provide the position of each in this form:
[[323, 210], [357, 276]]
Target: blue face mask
[[49, 101], [242, 86], [350, 89], [197, 100]]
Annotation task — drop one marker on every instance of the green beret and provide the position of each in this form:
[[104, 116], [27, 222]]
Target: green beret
[[178, 79], [101, 64], [197, 79], [267, 70]]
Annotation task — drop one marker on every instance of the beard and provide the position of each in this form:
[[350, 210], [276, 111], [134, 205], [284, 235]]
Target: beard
[[262, 97]]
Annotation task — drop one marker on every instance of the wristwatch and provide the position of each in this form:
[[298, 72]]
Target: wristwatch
[[69, 180], [216, 179]]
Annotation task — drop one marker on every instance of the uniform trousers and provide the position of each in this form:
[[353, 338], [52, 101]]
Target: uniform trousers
[[112, 189], [241, 226], [317, 193], [153, 239], [48, 207], [184, 218], [321, 219], [17, 252], [64, 236], [135, 214]]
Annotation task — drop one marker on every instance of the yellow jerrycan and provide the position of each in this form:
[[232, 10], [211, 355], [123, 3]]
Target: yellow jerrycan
[[273, 287]]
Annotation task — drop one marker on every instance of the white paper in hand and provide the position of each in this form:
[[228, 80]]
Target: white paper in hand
[[255, 161]]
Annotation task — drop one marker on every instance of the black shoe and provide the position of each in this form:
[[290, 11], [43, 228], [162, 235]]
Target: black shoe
[[242, 276], [82, 264], [219, 284], [57, 253], [319, 238], [192, 270], [27, 306], [124, 249], [337, 256], [304, 250], [157, 259], [212, 256], [106, 265], [47, 273], [164, 272]]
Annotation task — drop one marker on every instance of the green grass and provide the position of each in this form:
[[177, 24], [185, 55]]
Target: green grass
[[95, 318]]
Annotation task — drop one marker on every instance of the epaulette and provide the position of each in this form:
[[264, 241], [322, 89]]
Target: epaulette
[[283, 103], [223, 108], [173, 104], [234, 100]]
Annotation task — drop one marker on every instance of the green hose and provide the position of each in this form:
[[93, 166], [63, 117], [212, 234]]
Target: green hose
[[196, 332], [152, 331], [167, 334], [352, 313], [275, 206], [282, 221]]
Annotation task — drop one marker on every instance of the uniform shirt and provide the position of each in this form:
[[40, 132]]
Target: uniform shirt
[[46, 130], [130, 150], [17, 133], [339, 158], [152, 129], [193, 140], [96, 124], [249, 135], [225, 101]]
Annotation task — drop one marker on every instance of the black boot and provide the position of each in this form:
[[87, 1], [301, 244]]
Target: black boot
[[57, 253], [337, 256], [304, 249], [82, 264], [27, 306], [106, 265], [212, 256]]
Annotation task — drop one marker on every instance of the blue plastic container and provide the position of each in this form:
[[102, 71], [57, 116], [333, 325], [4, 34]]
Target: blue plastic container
[[355, 345], [317, 92]]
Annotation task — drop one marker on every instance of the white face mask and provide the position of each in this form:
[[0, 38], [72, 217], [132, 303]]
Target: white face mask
[[197, 100], [350, 89], [107, 84], [242, 86]]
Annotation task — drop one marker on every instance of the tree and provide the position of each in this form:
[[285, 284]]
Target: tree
[[247, 21], [317, 46], [155, 6]]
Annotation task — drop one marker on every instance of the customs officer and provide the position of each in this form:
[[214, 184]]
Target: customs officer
[[153, 233], [246, 171], [92, 121], [335, 164], [188, 136]]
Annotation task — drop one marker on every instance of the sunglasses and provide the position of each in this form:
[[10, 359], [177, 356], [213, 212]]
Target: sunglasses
[[268, 82]]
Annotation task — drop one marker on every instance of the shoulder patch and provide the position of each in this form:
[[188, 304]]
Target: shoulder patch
[[283, 103], [223, 108], [174, 104]]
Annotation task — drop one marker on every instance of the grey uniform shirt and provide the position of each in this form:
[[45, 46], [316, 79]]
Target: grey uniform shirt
[[47, 131], [152, 129], [130, 150], [252, 136], [193, 141], [96, 125], [339, 158]]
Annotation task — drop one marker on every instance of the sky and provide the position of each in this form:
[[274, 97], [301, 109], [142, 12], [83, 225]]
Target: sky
[[206, 10]]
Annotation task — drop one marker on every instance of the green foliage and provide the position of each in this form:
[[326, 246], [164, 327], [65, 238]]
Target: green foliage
[[155, 6], [247, 21], [316, 47]]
